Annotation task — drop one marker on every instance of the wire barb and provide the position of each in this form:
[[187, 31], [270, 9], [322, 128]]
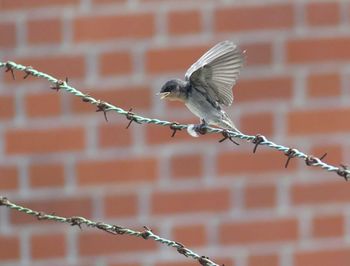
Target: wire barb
[[9, 67], [291, 153], [343, 171], [57, 86], [102, 107], [86, 98], [201, 129], [76, 221], [182, 249], [204, 261], [4, 201], [131, 117], [119, 230], [226, 136], [28, 71], [175, 127], [258, 139], [311, 160], [145, 234]]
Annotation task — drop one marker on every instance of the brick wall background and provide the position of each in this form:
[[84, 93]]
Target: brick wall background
[[58, 155]]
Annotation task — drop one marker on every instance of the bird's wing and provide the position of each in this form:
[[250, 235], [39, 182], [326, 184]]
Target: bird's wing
[[217, 71]]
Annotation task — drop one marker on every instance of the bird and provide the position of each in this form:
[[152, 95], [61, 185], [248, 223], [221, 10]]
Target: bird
[[208, 85]]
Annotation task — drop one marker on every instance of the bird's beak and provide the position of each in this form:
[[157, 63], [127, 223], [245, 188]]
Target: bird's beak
[[163, 94]]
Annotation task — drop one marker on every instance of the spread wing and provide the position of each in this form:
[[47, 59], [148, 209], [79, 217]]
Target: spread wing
[[217, 71]]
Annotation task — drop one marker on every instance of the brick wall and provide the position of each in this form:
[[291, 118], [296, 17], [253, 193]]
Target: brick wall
[[58, 155]]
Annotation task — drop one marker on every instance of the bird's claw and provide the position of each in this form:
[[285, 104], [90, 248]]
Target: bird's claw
[[201, 128], [196, 130]]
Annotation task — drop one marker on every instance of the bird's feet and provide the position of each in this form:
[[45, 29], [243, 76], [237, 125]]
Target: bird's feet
[[201, 128], [196, 130]]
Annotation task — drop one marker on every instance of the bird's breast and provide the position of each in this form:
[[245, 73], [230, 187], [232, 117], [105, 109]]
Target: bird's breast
[[199, 105]]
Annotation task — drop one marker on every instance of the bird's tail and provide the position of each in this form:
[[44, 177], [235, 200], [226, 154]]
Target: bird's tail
[[226, 123]]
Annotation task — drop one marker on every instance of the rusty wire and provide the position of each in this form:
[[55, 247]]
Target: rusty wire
[[109, 228]]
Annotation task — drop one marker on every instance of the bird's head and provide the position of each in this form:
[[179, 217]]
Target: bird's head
[[171, 90]]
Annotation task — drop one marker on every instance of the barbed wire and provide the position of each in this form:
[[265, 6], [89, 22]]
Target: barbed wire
[[105, 107], [111, 229]]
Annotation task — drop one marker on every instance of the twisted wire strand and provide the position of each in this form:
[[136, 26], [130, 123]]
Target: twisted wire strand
[[112, 229], [106, 107]]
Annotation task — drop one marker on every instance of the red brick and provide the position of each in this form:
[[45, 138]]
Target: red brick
[[120, 263], [320, 193], [255, 232], [191, 235], [263, 260], [101, 2], [46, 175], [177, 263], [204, 200], [231, 163], [177, 59], [260, 196], [123, 264], [8, 34], [10, 248], [96, 243], [7, 107], [184, 22], [117, 205], [276, 88], [43, 104], [115, 63], [100, 28], [324, 257], [30, 4], [29, 141], [48, 246], [135, 97], [8, 177], [334, 153], [257, 123], [322, 14], [59, 66], [227, 261], [328, 226], [111, 136], [135, 170], [318, 121], [162, 135], [257, 54], [169, 1], [184, 166], [65, 206], [276, 16], [41, 31], [323, 85], [318, 50]]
